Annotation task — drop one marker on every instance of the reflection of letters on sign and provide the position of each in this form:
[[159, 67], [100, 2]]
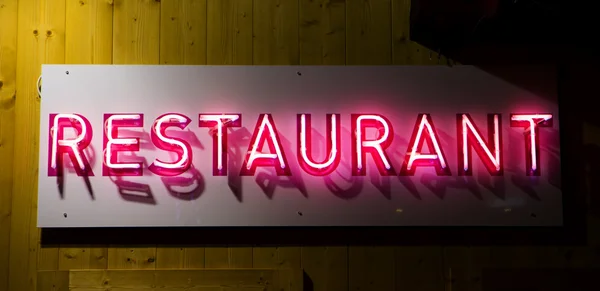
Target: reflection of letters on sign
[[255, 146]]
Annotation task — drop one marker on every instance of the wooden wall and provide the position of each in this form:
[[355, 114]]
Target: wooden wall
[[216, 32]]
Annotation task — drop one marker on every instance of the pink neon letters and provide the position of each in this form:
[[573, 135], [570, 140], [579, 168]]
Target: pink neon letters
[[531, 123], [113, 144], [59, 145], [218, 124], [265, 132], [469, 137], [176, 145], [333, 149]]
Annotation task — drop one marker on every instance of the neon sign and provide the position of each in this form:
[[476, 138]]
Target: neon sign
[[489, 150], [294, 146]]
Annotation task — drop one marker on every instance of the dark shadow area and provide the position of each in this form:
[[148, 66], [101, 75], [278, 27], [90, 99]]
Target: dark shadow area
[[592, 152], [90, 154], [191, 181], [494, 184], [308, 283], [397, 153], [127, 187], [522, 279], [134, 191], [345, 185], [267, 178], [238, 140], [439, 185], [517, 41], [310, 236]]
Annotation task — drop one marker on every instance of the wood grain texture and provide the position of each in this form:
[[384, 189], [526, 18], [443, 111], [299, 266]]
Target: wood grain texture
[[401, 47], [368, 31], [183, 26], [326, 268], [170, 280], [322, 41], [136, 32], [41, 32], [230, 32], [371, 268], [276, 43], [136, 40], [275, 32], [229, 42], [8, 72], [88, 30], [322, 32], [183, 32], [419, 268]]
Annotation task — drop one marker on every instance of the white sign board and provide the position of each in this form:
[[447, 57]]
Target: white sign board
[[127, 146]]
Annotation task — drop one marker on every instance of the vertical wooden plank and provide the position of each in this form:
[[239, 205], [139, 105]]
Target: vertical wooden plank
[[240, 257], [85, 257], [322, 33], [182, 41], [371, 268], [401, 32], [278, 257], [170, 258], [232, 257], [40, 39], [456, 267], [478, 259], [419, 268], [88, 40], [216, 257], [183, 32], [194, 257], [368, 42], [514, 257], [136, 32], [368, 32], [53, 28], [120, 257], [229, 32], [323, 42], [275, 32], [326, 268], [89, 29], [229, 42], [53, 281], [264, 257], [136, 40], [8, 71]]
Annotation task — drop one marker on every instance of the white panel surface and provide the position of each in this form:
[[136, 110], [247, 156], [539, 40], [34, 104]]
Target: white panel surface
[[198, 198]]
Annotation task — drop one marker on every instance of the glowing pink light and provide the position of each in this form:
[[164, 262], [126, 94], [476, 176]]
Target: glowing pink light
[[113, 145], [415, 158], [178, 146], [305, 145], [265, 132], [375, 147], [217, 123], [470, 136], [73, 147], [531, 123]]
